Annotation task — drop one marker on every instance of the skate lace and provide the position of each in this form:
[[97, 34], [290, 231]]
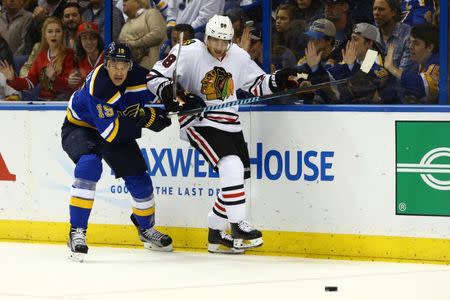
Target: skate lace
[[79, 236], [153, 234], [226, 236], [245, 226]]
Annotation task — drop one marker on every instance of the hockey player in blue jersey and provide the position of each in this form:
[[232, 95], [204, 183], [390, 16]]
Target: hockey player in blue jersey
[[104, 119]]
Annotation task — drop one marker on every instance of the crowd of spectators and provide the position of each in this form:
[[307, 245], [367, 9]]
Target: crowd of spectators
[[49, 46]]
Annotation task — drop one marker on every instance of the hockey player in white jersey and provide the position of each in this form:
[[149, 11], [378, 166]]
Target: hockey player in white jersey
[[210, 73]]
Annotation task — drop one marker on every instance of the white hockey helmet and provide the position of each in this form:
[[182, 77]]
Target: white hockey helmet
[[219, 27]]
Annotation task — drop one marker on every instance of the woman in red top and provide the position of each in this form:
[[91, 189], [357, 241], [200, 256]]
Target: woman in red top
[[89, 54], [51, 68]]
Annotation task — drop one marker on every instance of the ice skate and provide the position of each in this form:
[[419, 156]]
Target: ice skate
[[245, 236], [77, 244], [153, 239], [221, 242]]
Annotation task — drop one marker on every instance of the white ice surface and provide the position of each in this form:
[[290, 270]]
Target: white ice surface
[[34, 271]]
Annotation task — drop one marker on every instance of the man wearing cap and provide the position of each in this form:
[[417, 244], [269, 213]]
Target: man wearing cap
[[317, 58], [89, 48], [89, 53], [379, 86], [321, 35]]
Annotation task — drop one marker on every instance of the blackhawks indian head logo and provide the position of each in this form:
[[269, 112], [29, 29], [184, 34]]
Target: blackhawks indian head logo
[[217, 84]]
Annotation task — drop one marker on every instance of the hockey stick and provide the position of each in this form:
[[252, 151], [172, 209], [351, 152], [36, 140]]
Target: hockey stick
[[174, 74], [366, 66]]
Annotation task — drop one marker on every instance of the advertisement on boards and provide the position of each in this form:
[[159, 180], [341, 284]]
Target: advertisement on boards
[[423, 168]]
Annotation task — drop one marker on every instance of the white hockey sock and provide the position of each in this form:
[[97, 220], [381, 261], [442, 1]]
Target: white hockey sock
[[216, 222], [232, 195]]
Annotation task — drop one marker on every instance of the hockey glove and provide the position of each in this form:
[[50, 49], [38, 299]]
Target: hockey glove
[[153, 118], [282, 80], [168, 99], [191, 101]]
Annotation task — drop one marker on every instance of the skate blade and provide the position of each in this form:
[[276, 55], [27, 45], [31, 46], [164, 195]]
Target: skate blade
[[219, 248], [77, 257], [247, 244], [153, 247]]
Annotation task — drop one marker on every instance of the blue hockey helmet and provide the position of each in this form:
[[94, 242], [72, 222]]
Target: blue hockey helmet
[[119, 51]]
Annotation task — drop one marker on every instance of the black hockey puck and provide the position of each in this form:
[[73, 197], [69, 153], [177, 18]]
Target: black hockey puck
[[331, 289]]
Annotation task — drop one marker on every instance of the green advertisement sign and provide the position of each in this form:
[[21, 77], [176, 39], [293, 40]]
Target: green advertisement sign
[[422, 168]]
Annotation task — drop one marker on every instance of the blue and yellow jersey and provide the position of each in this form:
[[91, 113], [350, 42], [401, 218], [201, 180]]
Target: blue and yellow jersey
[[415, 12], [108, 108], [423, 83]]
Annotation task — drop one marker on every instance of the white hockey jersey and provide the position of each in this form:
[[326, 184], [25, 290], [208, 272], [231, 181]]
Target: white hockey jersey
[[213, 80]]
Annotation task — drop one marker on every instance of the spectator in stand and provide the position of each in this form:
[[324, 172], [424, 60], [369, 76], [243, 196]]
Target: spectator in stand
[[144, 32], [251, 42], [415, 12], [45, 8], [386, 14], [188, 34], [14, 22], [284, 17], [188, 31], [378, 87], [321, 42], [195, 13], [51, 68], [237, 17], [95, 13], [89, 53], [71, 20], [289, 32], [422, 84], [6, 56], [89, 48], [318, 55], [337, 11], [161, 5], [309, 10], [69, 16]]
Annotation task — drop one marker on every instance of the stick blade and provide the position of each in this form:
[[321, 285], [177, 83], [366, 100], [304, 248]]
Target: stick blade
[[369, 61]]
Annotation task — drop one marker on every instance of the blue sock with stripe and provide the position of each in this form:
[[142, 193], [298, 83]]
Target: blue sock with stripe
[[87, 173]]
